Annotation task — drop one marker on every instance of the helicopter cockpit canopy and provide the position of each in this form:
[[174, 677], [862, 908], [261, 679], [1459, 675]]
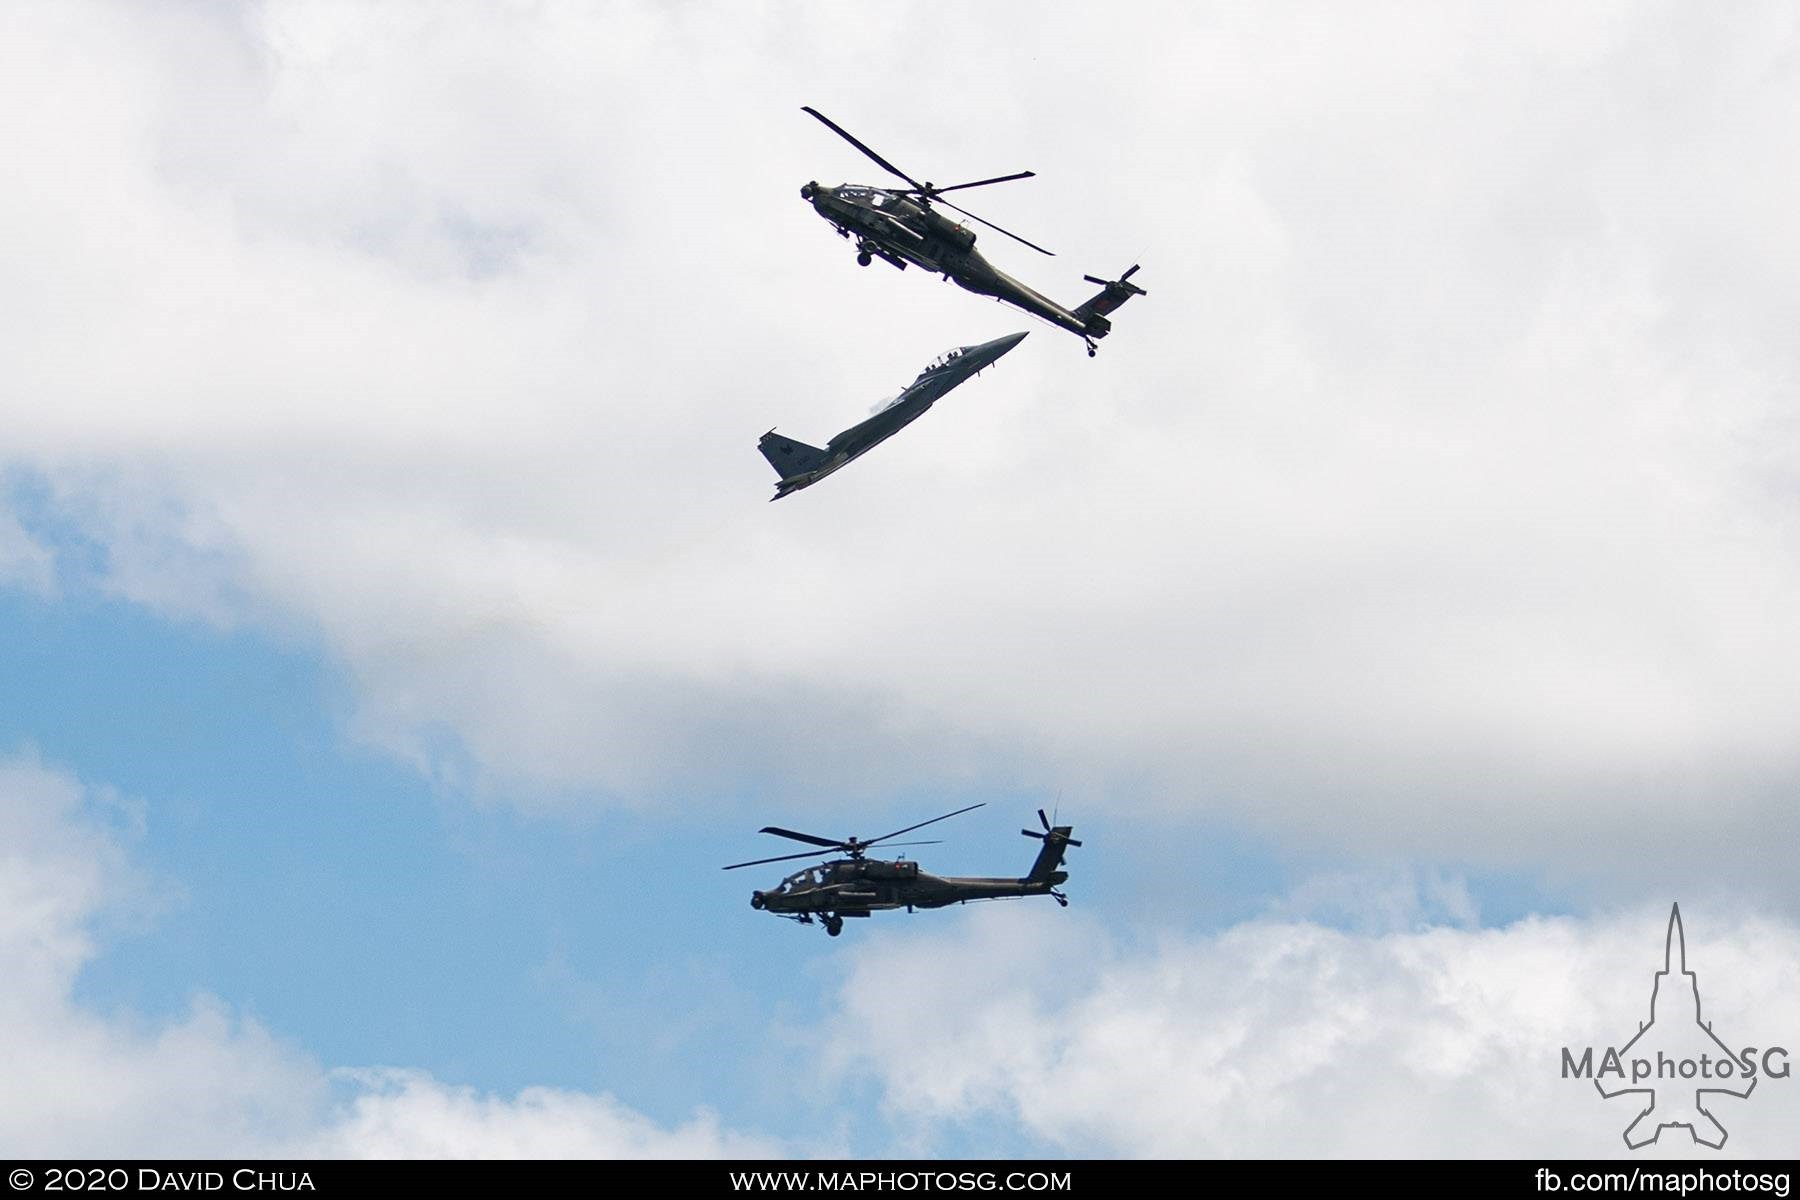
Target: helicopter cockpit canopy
[[799, 881]]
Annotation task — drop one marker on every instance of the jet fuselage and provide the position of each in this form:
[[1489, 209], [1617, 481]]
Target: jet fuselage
[[802, 465]]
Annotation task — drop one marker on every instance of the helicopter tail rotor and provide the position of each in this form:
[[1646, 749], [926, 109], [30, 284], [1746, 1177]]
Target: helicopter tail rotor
[[1061, 831], [1056, 841], [1093, 312], [1121, 281]]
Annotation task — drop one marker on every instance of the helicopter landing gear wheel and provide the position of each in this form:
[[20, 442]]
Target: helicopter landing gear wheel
[[834, 925], [1091, 350], [863, 258]]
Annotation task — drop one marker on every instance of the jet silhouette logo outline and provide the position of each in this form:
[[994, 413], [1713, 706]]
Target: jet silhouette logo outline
[[1677, 1102]]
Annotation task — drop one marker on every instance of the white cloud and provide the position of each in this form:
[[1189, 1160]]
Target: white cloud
[[404, 1114], [84, 1083], [80, 1082], [1438, 497], [1275, 1036], [24, 561], [1285, 1037]]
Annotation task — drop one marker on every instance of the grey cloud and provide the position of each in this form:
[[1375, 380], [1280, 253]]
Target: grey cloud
[[1437, 497]]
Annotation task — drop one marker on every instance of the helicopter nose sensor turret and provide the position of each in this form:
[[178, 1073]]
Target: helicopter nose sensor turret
[[756, 900], [808, 190]]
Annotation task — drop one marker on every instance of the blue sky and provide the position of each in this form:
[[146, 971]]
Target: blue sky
[[395, 639], [341, 899]]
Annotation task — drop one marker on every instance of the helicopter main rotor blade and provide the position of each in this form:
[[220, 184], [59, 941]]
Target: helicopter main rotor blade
[[922, 824], [957, 187], [801, 837], [1009, 233], [851, 138], [757, 862]]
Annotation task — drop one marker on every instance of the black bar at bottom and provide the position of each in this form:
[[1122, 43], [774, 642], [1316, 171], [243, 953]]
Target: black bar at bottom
[[1614, 1178]]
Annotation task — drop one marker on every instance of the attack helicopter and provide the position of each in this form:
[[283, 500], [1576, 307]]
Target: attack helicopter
[[858, 886], [900, 226]]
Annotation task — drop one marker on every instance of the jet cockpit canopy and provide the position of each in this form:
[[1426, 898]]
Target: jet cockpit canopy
[[943, 360]]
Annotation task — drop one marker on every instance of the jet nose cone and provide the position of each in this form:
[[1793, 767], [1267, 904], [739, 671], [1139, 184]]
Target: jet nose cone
[[985, 354]]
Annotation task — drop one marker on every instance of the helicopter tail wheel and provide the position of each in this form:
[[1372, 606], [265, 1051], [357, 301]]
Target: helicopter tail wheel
[[1060, 899], [1092, 349]]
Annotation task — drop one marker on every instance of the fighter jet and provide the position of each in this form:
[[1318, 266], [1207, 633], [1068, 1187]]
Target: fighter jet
[[801, 465]]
